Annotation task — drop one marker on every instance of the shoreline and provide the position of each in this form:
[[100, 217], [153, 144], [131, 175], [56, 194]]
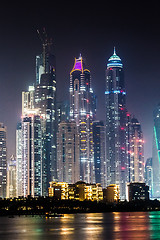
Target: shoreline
[[40, 206]]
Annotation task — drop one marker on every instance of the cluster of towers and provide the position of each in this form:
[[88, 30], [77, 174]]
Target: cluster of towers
[[65, 142]]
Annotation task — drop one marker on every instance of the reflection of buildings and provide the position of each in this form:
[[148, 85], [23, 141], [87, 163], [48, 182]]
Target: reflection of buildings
[[156, 154], [149, 175], [115, 103], [67, 152], [82, 111], [99, 153], [79, 191], [3, 161], [111, 193], [11, 178], [138, 191]]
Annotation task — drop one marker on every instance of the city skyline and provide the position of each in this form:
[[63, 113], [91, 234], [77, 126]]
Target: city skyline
[[135, 38]]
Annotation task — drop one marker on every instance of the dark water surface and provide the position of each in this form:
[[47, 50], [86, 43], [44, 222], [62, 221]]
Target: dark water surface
[[108, 226]]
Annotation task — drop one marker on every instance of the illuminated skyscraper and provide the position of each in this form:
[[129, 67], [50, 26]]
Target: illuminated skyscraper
[[149, 175], [156, 153], [11, 178], [68, 152], [3, 161], [82, 111], [116, 147], [19, 159], [45, 101], [45, 94], [62, 111], [99, 133], [38, 126], [31, 154], [136, 152]]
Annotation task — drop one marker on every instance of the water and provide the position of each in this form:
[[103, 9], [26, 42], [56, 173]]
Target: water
[[108, 226]]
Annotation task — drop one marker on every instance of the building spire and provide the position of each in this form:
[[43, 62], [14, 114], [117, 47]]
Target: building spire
[[114, 53]]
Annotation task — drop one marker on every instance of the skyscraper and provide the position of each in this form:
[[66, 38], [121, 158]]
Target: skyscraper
[[45, 94], [11, 178], [45, 101], [68, 152], [99, 134], [115, 103], [62, 111], [82, 111], [3, 161], [149, 175], [136, 152], [156, 153], [19, 159], [31, 154], [36, 138]]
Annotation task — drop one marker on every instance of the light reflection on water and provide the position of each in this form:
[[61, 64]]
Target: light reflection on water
[[121, 226]]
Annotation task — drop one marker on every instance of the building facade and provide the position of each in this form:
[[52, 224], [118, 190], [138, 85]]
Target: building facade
[[19, 160], [111, 193], [138, 191], [68, 152], [100, 164], [156, 153], [136, 152], [11, 178], [78, 191], [82, 111], [3, 161], [31, 155], [116, 113], [149, 175]]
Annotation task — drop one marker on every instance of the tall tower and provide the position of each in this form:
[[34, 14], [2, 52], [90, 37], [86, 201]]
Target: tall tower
[[45, 101], [136, 152], [82, 111], [115, 103], [3, 161], [149, 175], [156, 153], [99, 133], [19, 147], [31, 154], [68, 152], [11, 178]]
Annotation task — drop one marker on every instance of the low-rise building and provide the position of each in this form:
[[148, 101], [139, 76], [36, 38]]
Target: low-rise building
[[111, 193], [138, 191], [59, 190], [79, 191]]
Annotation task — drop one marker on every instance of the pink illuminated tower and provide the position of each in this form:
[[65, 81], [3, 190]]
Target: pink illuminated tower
[[82, 111]]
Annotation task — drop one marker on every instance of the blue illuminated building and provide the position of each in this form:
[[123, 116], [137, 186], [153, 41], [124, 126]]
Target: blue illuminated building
[[156, 154], [116, 142]]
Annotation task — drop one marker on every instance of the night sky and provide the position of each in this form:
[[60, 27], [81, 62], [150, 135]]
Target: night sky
[[92, 30]]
